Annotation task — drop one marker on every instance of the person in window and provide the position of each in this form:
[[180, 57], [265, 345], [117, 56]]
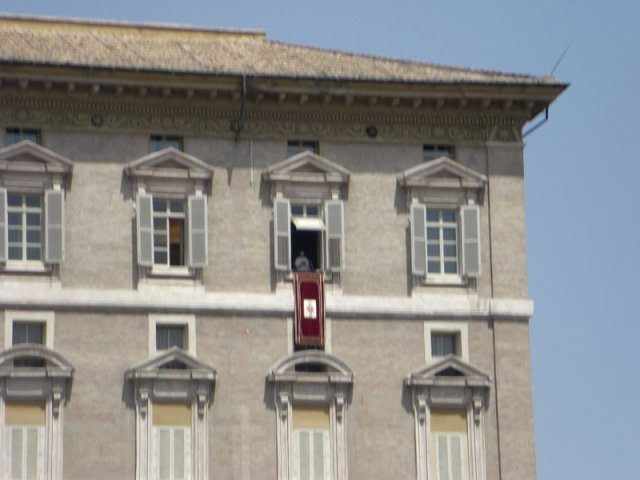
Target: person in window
[[302, 263]]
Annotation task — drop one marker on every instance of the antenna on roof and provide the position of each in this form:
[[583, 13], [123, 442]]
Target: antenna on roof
[[560, 59]]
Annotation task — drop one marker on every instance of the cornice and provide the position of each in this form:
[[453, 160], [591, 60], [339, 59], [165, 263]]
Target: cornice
[[222, 118]]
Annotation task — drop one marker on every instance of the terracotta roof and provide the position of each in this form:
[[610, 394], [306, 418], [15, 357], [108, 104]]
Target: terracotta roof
[[174, 48]]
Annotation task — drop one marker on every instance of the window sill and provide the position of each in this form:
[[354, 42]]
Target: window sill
[[445, 281], [170, 272], [25, 267]]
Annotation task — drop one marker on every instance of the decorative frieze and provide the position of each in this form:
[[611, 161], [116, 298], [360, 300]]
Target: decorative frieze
[[260, 119]]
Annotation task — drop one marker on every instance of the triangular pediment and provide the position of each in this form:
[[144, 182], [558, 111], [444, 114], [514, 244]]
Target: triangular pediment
[[307, 167], [27, 156], [450, 367], [441, 172], [172, 359], [168, 163]]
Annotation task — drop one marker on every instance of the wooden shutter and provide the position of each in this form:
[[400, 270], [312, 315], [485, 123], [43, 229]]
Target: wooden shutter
[[455, 454], [164, 453], [442, 446], [144, 223], [418, 239], [27, 452], [282, 234], [470, 216], [334, 216], [198, 231], [54, 221], [16, 453], [4, 228]]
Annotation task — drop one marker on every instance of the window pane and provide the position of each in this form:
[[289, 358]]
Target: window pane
[[433, 234], [31, 134], [159, 240], [432, 215], [442, 344], [33, 253], [32, 200], [159, 204], [451, 251], [15, 235], [313, 211], [450, 267], [14, 200], [19, 333], [433, 267], [159, 224], [15, 218], [433, 250], [177, 206], [448, 216], [15, 253], [297, 210], [33, 219], [160, 258], [449, 233]]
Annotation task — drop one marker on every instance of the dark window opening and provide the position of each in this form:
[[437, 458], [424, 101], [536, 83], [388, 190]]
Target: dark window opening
[[30, 362], [173, 365], [297, 146], [432, 152], [309, 367], [443, 344], [449, 372], [159, 142], [168, 336], [309, 242], [28, 332], [176, 242], [15, 135]]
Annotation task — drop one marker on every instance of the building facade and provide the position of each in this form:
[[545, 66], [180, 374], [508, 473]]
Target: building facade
[[158, 187]]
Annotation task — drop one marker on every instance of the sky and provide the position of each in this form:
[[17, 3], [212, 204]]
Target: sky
[[582, 171]]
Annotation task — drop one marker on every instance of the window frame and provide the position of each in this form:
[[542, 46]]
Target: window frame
[[30, 169], [438, 150], [23, 135], [192, 385], [459, 329], [49, 385], [331, 389], [184, 320], [46, 318]]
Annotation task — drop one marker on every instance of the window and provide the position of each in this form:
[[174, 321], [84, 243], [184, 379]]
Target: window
[[171, 212], [174, 330], [449, 398], [311, 447], [32, 417], [15, 135], [172, 391], [28, 332], [25, 428], [445, 338], [442, 242], [25, 218], [171, 441], [311, 409], [168, 232], [432, 152], [160, 142], [308, 213], [295, 147], [32, 207], [444, 203]]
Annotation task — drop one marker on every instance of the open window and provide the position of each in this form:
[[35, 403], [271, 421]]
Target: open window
[[173, 391], [33, 181], [34, 386], [311, 406], [171, 212], [444, 199], [449, 402], [308, 194]]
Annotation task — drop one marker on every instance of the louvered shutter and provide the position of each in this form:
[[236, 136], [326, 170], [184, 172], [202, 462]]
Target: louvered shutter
[[456, 457], [164, 453], [418, 239], [4, 229], [54, 221], [197, 231], [443, 457], [304, 454], [334, 215], [144, 223], [16, 453], [470, 216], [282, 234], [178, 453]]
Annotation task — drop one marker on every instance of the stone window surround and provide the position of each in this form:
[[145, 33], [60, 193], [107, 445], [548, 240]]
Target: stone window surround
[[188, 321], [193, 385], [44, 171], [469, 391], [423, 184], [291, 388], [49, 384], [460, 329], [190, 176], [33, 316]]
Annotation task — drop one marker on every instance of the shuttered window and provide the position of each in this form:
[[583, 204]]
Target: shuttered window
[[172, 441], [311, 447], [334, 235], [450, 450], [172, 232], [25, 440], [24, 226]]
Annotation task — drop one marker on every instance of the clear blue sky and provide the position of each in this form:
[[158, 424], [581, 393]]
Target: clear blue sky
[[582, 175]]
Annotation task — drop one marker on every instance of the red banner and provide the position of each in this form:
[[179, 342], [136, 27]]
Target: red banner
[[309, 311]]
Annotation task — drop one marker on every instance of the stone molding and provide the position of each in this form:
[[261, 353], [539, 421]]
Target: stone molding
[[259, 121]]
